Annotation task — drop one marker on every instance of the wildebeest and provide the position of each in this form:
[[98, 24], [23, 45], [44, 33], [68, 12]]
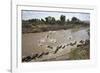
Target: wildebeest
[[34, 56], [56, 50], [72, 44], [46, 53], [26, 59], [58, 47], [23, 59], [81, 41], [79, 45], [50, 47], [87, 42], [39, 56], [63, 46]]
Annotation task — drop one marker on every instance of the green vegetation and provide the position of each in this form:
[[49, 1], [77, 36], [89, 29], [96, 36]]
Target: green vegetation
[[82, 52], [50, 23], [62, 19], [79, 53]]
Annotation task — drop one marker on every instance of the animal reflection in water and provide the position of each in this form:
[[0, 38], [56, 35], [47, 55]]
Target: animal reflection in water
[[40, 55]]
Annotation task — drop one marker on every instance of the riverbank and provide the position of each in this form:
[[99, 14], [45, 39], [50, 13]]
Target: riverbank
[[44, 28]]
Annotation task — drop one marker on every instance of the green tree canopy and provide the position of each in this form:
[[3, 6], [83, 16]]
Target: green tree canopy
[[74, 19], [62, 19], [50, 20]]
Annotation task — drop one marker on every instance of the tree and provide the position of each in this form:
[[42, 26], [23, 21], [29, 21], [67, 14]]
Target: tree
[[53, 20], [62, 19], [75, 20], [50, 20], [58, 21]]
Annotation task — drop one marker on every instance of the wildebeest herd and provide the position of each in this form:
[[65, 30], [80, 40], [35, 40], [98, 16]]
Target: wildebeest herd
[[35, 56]]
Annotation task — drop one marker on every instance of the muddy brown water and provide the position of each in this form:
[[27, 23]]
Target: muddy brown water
[[33, 43]]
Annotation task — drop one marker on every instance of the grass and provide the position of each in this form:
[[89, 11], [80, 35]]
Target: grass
[[80, 53]]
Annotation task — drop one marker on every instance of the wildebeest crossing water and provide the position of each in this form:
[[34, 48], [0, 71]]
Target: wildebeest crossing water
[[52, 45]]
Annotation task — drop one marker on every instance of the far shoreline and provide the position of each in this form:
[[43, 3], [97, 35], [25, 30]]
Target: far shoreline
[[55, 28]]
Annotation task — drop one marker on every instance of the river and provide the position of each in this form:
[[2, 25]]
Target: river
[[38, 42]]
